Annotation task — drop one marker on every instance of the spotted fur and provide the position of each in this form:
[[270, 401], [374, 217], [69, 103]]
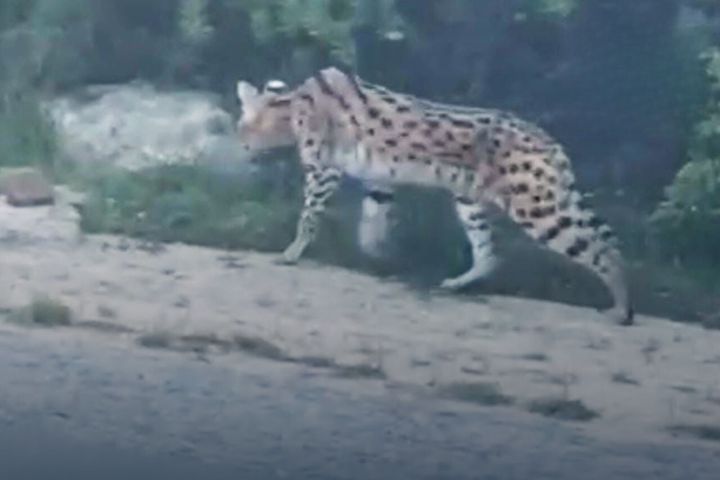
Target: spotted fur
[[345, 126]]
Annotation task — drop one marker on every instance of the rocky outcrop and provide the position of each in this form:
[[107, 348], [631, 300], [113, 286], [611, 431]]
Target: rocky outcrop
[[136, 126]]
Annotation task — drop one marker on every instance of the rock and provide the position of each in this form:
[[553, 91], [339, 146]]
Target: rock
[[136, 126], [26, 188]]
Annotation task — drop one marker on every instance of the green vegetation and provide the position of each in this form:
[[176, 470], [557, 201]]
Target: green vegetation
[[563, 409], [702, 432], [204, 342], [624, 378], [688, 221], [189, 204], [43, 312], [482, 393]]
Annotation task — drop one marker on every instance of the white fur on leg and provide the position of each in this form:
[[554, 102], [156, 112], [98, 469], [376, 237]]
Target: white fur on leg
[[374, 226], [477, 229]]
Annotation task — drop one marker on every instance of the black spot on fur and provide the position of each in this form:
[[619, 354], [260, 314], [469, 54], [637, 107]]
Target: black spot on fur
[[522, 188], [403, 109], [577, 248], [357, 89], [386, 123], [418, 146], [371, 132], [433, 124], [462, 124], [564, 222], [373, 112], [390, 100], [411, 124], [550, 235], [537, 212]]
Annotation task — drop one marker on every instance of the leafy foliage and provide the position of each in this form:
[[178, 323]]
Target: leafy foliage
[[552, 8], [326, 24], [688, 221]]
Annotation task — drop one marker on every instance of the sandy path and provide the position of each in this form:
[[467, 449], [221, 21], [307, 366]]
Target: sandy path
[[76, 406], [640, 380]]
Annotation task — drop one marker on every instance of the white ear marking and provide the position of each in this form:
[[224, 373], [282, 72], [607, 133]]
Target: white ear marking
[[275, 86]]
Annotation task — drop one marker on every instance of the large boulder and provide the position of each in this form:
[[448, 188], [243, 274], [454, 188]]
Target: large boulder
[[135, 126], [26, 187]]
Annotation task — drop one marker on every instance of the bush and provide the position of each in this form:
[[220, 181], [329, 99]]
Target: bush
[[687, 222], [189, 204], [43, 311]]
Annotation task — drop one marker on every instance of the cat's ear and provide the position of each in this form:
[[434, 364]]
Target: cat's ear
[[246, 92]]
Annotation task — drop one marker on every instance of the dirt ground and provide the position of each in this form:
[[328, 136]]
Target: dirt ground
[[638, 382]]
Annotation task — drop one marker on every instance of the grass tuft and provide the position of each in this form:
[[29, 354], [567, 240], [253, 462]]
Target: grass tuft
[[703, 432], [43, 312], [482, 393], [562, 409]]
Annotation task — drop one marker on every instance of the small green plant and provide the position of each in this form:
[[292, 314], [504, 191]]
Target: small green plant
[[535, 357], [258, 347], [703, 432], [155, 340], [360, 371], [482, 393], [624, 378], [562, 409], [43, 312]]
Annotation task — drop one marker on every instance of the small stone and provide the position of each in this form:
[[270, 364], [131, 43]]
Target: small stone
[[26, 188]]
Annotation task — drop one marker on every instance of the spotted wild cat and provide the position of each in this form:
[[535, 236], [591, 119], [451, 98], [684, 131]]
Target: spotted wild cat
[[343, 125]]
